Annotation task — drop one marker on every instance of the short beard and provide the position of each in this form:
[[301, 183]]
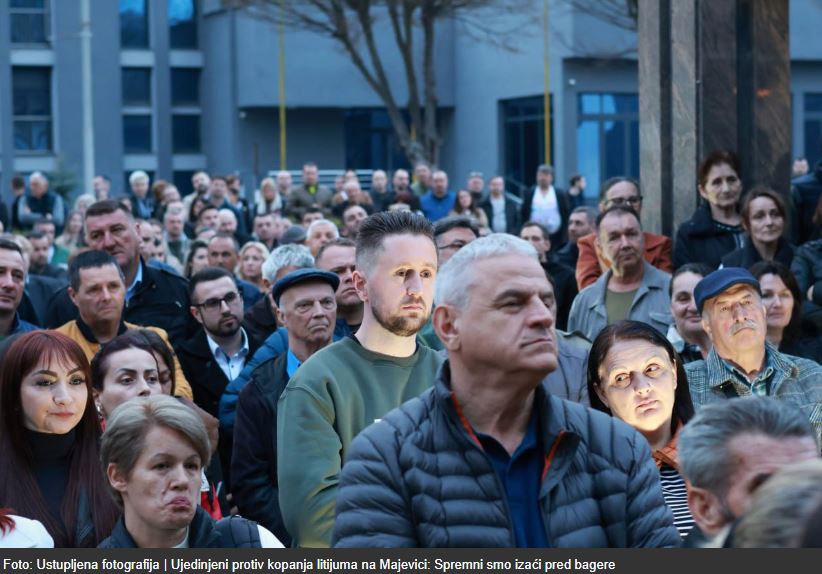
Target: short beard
[[224, 331], [399, 326]]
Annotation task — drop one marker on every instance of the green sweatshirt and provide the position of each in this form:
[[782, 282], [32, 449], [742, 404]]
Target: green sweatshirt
[[334, 395]]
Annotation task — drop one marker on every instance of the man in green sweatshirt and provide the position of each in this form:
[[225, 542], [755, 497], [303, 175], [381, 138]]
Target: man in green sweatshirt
[[343, 388]]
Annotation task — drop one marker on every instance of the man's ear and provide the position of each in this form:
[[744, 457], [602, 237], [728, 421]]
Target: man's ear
[[280, 315], [706, 510], [72, 295], [444, 320], [360, 284], [195, 312]]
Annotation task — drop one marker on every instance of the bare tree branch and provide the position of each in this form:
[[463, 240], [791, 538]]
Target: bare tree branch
[[351, 24]]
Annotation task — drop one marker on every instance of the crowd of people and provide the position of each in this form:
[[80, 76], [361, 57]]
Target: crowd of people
[[406, 364]]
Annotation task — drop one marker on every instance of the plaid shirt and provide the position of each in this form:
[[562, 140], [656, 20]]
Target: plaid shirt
[[785, 377]]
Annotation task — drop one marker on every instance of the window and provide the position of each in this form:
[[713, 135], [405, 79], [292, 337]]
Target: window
[[185, 133], [182, 181], [185, 113], [813, 128], [29, 21], [185, 87], [137, 133], [31, 94], [137, 125], [607, 136], [133, 24], [524, 139], [182, 21], [370, 142], [137, 86]]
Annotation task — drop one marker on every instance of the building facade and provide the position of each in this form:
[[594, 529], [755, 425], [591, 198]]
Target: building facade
[[183, 85]]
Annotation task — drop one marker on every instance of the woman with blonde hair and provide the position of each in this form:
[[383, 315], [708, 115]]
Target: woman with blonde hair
[[153, 452], [251, 259]]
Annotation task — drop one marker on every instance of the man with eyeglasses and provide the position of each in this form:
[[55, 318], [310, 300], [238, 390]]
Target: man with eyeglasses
[[623, 192], [450, 235], [219, 349]]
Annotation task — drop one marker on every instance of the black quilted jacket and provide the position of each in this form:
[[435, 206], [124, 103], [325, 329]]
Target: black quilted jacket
[[418, 478]]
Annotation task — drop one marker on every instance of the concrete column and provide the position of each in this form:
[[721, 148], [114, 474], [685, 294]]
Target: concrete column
[[158, 13]]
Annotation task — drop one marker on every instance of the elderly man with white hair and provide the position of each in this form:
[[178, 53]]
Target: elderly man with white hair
[[566, 476], [39, 203], [319, 233], [142, 203]]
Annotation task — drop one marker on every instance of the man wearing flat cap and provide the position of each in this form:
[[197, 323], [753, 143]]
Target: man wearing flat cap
[[307, 307], [741, 362]]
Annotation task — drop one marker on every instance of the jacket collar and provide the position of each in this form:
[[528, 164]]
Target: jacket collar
[[669, 454], [201, 532], [559, 443], [719, 372], [652, 279], [88, 334]]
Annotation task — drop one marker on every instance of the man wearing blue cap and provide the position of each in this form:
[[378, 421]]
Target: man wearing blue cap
[[307, 307], [741, 362]]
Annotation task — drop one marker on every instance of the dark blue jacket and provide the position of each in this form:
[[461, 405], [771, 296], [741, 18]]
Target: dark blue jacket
[[419, 478]]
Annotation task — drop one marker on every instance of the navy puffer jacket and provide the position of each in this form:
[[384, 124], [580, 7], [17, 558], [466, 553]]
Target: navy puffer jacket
[[418, 478]]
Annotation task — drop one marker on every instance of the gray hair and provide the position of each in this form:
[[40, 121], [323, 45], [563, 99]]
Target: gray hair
[[319, 222], [87, 198], [136, 176], [456, 277], [292, 255], [703, 443], [226, 212], [781, 508], [38, 175], [127, 427]]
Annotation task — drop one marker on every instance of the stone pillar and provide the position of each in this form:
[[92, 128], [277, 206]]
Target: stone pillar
[[764, 99], [713, 74]]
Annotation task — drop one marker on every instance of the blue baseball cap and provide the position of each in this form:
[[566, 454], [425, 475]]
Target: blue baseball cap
[[721, 280], [303, 276]]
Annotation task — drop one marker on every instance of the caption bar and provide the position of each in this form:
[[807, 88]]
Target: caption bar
[[273, 565]]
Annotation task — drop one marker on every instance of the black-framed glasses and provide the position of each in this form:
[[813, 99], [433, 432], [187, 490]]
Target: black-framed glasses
[[634, 200], [216, 302]]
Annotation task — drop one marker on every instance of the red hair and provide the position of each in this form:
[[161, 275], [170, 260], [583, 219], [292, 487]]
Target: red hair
[[18, 485], [6, 521]]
